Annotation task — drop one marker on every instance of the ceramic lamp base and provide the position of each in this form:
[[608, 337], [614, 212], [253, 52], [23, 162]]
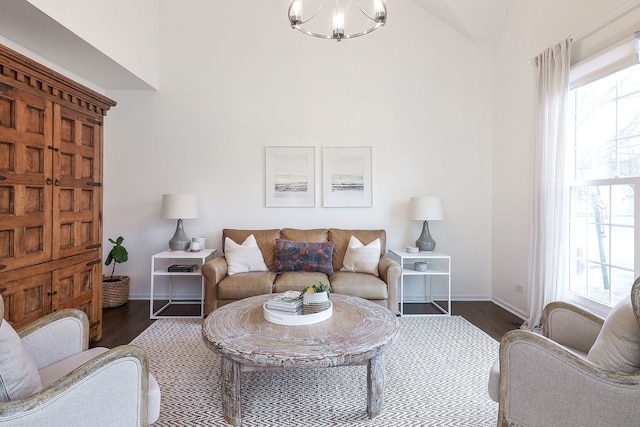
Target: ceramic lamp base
[[179, 241], [425, 242]]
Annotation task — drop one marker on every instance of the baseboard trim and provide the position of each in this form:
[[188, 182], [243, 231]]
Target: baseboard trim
[[510, 308]]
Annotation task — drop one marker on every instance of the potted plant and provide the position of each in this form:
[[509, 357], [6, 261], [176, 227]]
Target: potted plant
[[315, 298], [115, 289]]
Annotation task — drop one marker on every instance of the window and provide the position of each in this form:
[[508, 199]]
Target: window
[[604, 176]]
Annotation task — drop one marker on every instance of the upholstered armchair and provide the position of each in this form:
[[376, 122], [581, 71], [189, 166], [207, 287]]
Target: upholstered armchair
[[582, 371], [48, 376]]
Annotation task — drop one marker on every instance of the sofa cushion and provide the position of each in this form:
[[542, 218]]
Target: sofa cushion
[[314, 235], [360, 258], [19, 376], [617, 347], [298, 280], [303, 256], [361, 285], [246, 285], [342, 237], [266, 240], [245, 257]]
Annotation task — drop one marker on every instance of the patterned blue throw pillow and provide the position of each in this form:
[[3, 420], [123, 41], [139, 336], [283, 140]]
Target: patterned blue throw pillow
[[304, 256]]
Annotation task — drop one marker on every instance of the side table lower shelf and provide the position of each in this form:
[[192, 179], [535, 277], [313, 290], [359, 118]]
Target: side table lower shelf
[[159, 271]]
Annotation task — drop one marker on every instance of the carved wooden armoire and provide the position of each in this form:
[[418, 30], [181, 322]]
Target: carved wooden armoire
[[51, 131]]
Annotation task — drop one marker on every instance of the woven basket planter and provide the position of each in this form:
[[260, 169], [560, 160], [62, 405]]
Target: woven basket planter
[[315, 303], [115, 293]]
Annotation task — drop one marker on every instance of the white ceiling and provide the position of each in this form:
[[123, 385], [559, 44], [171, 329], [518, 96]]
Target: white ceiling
[[479, 20], [29, 27]]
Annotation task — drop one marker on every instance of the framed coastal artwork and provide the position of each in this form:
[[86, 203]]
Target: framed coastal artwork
[[346, 177], [290, 177]]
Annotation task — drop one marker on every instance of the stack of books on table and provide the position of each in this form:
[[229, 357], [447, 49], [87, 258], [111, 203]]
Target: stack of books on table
[[288, 302], [182, 268]]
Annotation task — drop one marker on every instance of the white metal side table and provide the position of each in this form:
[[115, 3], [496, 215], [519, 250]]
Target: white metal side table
[[438, 268], [160, 263]]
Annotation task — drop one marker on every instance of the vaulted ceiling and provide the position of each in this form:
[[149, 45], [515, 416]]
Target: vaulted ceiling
[[26, 25], [479, 20]]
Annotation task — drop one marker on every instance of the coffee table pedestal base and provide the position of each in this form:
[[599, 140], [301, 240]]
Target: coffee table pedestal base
[[231, 388]]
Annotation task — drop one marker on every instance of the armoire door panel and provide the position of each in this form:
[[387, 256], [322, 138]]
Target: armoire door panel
[[77, 200], [74, 287], [27, 299], [25, 178]]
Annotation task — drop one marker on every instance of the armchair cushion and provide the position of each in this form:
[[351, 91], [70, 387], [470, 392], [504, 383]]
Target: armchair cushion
[[54, 372], [304, 256], [360, 258], [617, 347], [244, 257], [18, 373]]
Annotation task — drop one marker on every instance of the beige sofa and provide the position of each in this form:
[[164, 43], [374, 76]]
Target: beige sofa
[[222, 288]]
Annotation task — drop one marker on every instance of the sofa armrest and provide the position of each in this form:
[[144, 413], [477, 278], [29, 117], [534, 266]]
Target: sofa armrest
[[111, 388], [543, 383], [571, 326], [56, 336], [213, 271], [390, 272]]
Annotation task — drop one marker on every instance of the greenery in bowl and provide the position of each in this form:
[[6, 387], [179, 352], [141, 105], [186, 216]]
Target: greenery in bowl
[[320, 287]]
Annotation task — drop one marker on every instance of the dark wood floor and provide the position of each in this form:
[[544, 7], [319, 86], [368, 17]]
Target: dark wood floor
[[124, 323]]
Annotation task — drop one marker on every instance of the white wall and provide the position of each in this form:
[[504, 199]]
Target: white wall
[[234, 78], [531, 27]]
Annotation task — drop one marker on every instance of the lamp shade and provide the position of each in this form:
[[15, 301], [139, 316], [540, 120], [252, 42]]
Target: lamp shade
[[425, 208], [179, 206]]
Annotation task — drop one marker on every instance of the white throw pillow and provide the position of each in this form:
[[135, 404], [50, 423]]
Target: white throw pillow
[[19, 376], [244, 257], [617, 347], [360, 258]]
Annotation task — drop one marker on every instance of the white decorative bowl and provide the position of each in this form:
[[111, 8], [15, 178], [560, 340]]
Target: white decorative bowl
[[281, 318], [420, 266]]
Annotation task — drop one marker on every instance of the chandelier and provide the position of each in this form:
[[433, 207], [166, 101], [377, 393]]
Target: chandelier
[[303, 12]]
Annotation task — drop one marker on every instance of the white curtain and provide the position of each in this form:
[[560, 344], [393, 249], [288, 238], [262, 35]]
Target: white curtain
[[548, 229]]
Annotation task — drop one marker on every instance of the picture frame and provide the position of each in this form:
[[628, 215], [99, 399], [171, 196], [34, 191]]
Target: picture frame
[[346, 177], [290, 176]]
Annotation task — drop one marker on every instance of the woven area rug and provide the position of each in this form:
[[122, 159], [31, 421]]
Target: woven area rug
[[436, 375]]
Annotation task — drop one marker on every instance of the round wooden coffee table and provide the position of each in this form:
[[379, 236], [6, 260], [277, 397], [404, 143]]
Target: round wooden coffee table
[[358, 333]]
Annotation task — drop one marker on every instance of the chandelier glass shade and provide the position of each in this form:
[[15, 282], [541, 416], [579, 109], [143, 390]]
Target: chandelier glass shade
[[340, 19]]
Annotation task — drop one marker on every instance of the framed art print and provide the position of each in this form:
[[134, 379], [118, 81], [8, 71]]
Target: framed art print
[[346, 176], [290, 177]]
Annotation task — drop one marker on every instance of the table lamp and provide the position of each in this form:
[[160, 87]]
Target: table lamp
[[425, 208], [179, 206]]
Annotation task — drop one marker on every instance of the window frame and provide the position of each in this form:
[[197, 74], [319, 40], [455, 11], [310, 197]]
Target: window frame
[[573, 182]]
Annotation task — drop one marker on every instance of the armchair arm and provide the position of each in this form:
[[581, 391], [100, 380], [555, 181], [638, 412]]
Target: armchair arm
[[390, 272], [111, 389], [542, 384], [213, 271], [56, 336], [570, 325]]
